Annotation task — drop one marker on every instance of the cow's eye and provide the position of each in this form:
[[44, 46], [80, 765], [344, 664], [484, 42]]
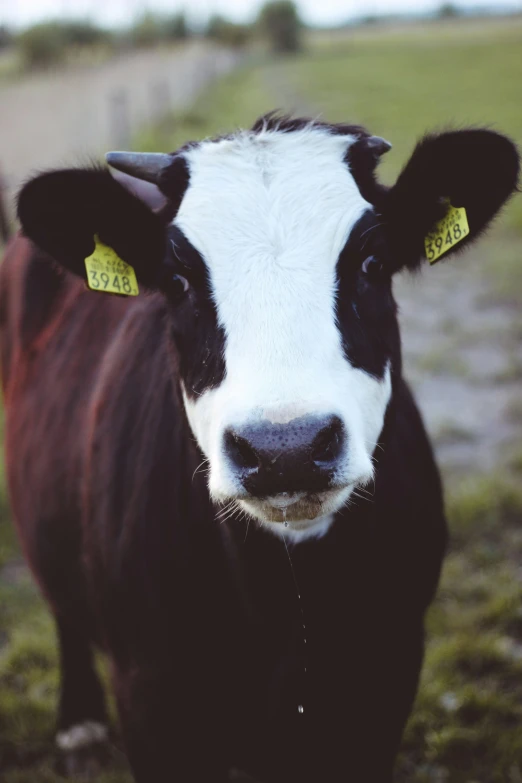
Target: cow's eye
[[177, 287], [371, 266]]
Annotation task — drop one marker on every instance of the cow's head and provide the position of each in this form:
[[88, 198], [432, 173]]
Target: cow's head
[[276, 250]]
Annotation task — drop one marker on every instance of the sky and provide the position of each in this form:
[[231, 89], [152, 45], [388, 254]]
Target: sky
[[116, 12]]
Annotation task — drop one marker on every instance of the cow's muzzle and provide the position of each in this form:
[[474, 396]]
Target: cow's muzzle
[[300, 456]]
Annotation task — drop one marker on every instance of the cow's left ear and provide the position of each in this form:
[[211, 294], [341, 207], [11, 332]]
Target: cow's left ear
[[476, 169], [62, 211]]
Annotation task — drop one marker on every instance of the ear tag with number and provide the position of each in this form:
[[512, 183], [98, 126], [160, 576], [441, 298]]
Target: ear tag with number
[[107, 272], [446, 233]]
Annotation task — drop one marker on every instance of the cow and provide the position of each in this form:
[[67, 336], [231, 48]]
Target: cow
[[224, 482]]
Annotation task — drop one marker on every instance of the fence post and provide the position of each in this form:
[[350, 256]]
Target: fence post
[[159, 100], [119, 120]]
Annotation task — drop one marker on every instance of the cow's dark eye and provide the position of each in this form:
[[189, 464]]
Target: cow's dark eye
[[177, 287], [371, 266]]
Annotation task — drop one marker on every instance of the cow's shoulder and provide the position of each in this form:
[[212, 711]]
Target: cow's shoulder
[[134, 414], [142, 492]]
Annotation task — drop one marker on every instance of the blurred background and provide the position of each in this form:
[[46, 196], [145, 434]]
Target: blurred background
[[79, 77]]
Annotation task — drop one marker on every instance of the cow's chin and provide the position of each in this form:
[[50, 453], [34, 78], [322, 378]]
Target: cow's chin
[[306, 514]]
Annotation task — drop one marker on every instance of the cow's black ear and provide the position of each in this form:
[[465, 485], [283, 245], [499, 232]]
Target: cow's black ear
[[62, 211], [476, 169]]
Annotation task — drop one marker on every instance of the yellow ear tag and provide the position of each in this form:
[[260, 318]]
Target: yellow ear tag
[[107, 272], [446, 233]]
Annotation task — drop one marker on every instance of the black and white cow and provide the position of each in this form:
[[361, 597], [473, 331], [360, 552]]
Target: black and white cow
[[225, 482]]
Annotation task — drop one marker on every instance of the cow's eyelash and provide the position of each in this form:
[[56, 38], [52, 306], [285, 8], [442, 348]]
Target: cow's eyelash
[[357, 249], [368, 232], [182, 266], [179, 259], [175, 249]]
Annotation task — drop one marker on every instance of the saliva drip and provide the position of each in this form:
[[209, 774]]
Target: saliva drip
[[300, 708]]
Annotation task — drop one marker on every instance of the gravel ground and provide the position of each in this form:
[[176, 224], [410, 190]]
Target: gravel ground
[[463, 357]]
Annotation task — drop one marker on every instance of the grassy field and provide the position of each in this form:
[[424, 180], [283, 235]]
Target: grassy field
[[467, 723]]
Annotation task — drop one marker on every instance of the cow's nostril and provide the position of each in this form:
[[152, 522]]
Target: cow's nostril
[[268, 458], [328, 443], [240, 451]]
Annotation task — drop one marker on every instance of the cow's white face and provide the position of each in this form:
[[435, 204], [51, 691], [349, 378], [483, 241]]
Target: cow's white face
[[290, 428], [276, 271]]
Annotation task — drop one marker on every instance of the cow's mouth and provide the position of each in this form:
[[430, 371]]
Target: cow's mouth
[[298, 506], [297, 510]]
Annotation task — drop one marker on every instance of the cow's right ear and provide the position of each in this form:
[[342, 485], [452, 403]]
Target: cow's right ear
[[62, 211], [474, 168]]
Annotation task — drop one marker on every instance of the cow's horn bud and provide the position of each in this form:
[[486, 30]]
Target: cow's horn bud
[[378, 145], [142, 165]]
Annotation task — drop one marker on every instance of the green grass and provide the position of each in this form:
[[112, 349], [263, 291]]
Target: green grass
[[403, 84], [450, 432], [10, 64], [466, 722], [441, 361]]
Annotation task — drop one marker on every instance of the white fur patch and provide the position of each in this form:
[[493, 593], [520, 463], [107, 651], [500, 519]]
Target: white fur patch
[[82, 735], [269, 213]]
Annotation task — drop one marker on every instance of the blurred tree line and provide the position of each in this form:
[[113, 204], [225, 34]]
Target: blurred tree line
[[277, 26], [50, 43]]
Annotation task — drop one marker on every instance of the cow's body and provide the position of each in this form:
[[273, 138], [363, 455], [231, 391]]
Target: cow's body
[[294, 657], [204, 625]]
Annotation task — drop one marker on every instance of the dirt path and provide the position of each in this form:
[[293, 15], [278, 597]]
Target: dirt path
[[463, 356], [58, 118]]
